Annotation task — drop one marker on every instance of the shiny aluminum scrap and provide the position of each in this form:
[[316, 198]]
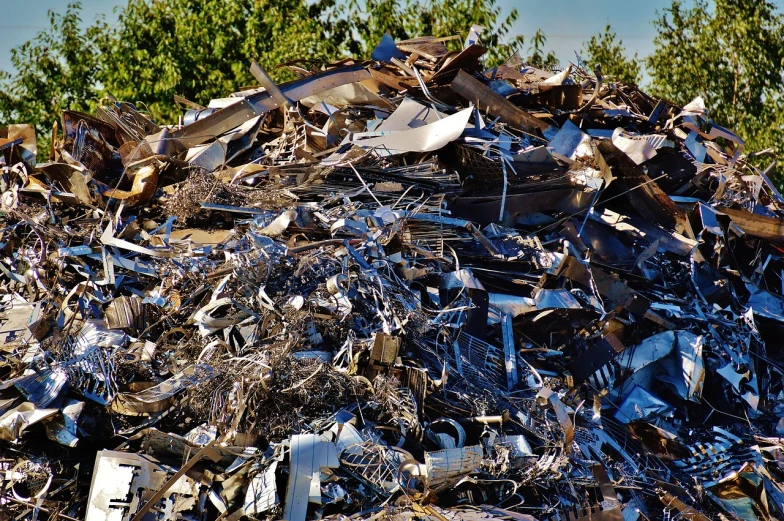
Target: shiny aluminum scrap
[[412, 287]]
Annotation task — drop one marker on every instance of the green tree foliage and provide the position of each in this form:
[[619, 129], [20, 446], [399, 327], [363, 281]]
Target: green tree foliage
[[370, 19], [732, 53], [537, 57], [201, 49], [54, 71], [607, 50]]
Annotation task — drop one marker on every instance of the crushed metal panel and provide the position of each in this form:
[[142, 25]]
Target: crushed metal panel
[[309, 454], [123, 482]]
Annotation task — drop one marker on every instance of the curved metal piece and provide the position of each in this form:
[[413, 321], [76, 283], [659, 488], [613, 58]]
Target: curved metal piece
[[599, 80]]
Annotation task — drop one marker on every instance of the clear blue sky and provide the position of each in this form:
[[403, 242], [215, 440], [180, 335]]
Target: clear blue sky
[[566, 23]]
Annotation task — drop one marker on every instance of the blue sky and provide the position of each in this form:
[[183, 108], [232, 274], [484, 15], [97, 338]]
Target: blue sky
[[566, 23]]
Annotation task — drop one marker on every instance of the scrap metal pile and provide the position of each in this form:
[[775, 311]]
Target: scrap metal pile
[[408, 288]]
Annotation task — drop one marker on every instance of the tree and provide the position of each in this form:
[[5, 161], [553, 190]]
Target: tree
[[733, 55], [202, 49], [537, 57], [370, 19], [606, 50], [56, 71]]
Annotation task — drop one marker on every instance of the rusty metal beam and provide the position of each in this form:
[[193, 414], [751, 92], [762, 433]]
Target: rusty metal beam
[[494, 104]]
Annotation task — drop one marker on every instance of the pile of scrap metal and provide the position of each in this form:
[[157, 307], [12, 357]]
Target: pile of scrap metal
[[405, 288]]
